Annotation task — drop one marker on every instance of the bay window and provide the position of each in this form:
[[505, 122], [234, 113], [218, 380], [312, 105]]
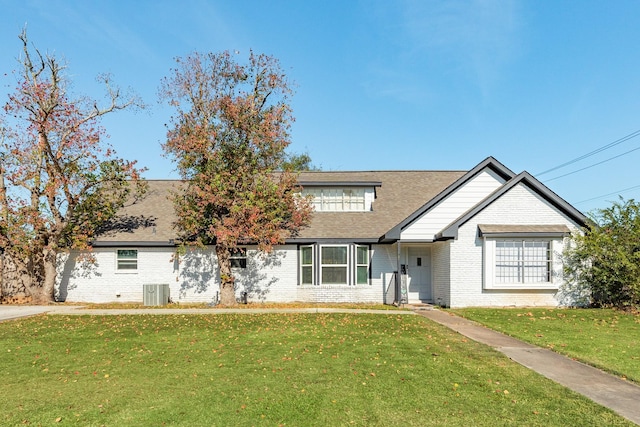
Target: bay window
[[329, 264]]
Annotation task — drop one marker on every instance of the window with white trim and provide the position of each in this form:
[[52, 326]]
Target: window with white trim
[[238, 258], [522, 261], [306, 265], [519, 263], [362, 264], [334, 264], [333, 199], [127, 259]]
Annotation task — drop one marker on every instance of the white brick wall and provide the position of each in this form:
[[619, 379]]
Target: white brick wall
[[441, 275], [519, 206], [101, 282], [194, 278]]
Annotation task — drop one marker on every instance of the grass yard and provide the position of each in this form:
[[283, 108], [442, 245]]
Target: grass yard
[[606, 338], [272, 370]]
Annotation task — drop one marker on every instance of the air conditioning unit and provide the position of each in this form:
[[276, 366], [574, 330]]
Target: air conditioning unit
[[155, 294]]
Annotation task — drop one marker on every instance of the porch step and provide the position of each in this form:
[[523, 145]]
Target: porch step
[[419, 306]]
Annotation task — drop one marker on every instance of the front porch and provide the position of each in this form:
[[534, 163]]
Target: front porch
[[414, 285]]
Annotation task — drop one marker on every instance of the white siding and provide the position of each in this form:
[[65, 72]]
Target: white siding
[[518, 206], [453, 206]]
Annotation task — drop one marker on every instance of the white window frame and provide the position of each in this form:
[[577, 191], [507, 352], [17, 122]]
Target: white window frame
[[490, 268], [238, 256], [357, 265], [338, 199], [351, 266], [311, 265], [322, 266], [126, 261]]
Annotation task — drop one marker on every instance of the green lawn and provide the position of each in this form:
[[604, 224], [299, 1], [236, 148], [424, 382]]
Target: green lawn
[[605, 338], [269, 369]]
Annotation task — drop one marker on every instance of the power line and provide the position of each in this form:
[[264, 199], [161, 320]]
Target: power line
[[608, 194], [595, 164], [596, 151]]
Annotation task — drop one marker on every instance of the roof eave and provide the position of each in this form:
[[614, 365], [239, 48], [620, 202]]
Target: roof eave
[[133, 243]]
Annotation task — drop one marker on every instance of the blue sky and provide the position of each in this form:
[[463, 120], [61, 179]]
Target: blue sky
[[398, 85]]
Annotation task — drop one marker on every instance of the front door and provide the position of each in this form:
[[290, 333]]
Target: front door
[[419, 274]]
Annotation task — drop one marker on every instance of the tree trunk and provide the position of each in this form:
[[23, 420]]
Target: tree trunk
[[227, 286], [1, 275], [46, 294]]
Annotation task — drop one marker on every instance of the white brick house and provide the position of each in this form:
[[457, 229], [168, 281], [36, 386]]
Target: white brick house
[[484, 237]]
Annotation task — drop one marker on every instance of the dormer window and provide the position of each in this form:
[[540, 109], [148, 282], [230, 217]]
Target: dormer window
[[341, 197], [337, 199]]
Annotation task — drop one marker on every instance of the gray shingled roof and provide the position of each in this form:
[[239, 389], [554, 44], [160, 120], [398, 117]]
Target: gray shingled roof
[[150, 220], [401, 194]]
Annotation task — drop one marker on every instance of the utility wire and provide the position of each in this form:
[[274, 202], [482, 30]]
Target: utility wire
[[608, 194], [596, 151], [595, 164]]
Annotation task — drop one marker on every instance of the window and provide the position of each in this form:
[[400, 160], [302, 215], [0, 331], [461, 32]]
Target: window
[[334, 264], [238, 258], [337, 199], [362, 265], [306, 265], [127, 259], [522, 261], [521, 256]]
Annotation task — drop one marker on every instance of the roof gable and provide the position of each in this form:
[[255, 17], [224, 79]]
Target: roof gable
[[488, 163], [451, 231]]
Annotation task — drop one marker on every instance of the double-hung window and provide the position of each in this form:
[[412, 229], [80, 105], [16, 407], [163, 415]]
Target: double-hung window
[[362, 264], [306, 265], [334, 265], [238, 258], [127, 259]]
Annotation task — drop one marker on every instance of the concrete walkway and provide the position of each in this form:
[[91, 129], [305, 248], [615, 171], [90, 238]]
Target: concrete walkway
[[9, 312], [621, 396]]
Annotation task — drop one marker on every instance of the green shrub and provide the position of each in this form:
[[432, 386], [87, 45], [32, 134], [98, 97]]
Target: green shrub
[[605, 260]]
